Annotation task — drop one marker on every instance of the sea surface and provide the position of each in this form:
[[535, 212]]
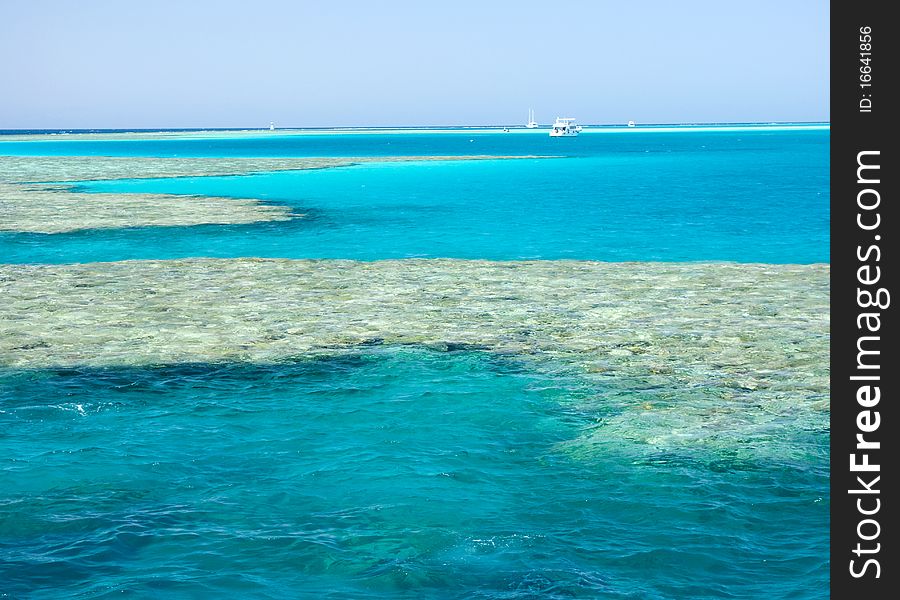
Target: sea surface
[[745, 196], [408, 471]]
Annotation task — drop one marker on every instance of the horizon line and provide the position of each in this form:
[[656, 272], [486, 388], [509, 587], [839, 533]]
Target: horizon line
[[5, 131]]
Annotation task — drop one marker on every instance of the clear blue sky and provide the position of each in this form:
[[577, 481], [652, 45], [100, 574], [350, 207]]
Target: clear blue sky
[[225, 63]]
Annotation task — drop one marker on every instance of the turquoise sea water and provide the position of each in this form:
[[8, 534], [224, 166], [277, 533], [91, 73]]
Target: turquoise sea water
[[400, 473], [407, 472], [749, 196]]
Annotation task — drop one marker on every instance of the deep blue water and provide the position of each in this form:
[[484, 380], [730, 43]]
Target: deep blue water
[[747, 196], [386, 474]]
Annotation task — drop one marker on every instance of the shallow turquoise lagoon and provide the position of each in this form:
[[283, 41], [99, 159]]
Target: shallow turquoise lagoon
[[739, 196], [383, 474]]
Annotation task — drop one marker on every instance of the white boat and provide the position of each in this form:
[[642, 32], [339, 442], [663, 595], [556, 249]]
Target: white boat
[[532, 124], [565, 127], [631, 123], [272, 126]]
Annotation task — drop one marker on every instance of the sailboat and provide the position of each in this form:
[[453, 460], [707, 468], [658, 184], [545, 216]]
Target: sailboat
[[532, 124]]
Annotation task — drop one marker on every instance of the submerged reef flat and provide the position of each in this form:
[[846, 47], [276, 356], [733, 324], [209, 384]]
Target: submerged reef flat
[[37, 209], [30, 169], [676, 352], [741, 319], [26, 206]]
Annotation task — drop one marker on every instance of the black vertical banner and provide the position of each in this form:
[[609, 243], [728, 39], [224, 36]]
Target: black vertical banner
[[864, 368]]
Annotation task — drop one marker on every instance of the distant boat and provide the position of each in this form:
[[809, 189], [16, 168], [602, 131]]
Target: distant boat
[[532, 124], [565, 127], [272, 126], [631, 123]]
